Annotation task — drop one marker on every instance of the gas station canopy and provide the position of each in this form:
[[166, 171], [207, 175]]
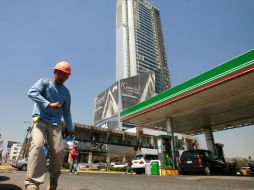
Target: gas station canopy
[[221, 98]]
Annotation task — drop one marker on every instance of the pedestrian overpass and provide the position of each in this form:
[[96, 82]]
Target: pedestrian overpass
[[86, 133], [219, 99]]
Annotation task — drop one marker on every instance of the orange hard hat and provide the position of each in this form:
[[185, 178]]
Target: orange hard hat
[[63, 66]]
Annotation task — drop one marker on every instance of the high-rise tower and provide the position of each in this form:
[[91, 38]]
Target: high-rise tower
[[139, 42]]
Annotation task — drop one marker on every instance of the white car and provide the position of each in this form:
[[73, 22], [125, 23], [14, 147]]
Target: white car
[[21, 164], [139, 162], [118, 165], [101, 166], [83, 166]]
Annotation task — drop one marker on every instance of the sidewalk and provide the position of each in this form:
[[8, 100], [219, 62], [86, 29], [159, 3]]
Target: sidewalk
[[8, 168]]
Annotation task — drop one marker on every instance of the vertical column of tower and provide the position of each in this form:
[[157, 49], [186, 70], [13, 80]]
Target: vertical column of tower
[[131, 38], [122, 40], [162, 56]]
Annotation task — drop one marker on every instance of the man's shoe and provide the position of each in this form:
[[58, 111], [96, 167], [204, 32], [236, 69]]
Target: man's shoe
[[32, 187]]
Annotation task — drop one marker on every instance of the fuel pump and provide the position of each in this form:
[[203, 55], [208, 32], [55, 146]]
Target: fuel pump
[[219, 151], [164, 151]]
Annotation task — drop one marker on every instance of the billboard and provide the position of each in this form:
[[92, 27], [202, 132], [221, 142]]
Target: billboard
[[136, 89], [121, 95], [106, 104]]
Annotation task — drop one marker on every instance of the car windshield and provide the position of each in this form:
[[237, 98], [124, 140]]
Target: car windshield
[[138, 157], [151, 157], [189, 155], [208, 154]]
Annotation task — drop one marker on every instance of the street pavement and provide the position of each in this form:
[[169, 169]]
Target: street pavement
[[13, 180]]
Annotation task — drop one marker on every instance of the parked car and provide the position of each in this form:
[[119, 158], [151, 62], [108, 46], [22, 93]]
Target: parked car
[[21, 164], [83, 166], [112, 163], [246, 170], [119, 165], [101, 166], [233, 168], [203, 161], [139, 162]]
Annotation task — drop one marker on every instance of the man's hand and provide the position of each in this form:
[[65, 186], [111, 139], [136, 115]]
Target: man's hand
[[56, 106]]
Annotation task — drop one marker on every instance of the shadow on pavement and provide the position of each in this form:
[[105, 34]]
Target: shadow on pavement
[[9, 187], [4, 178]]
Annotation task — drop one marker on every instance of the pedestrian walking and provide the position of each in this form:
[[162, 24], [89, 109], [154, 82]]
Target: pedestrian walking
[[129, 164], [73, 159], [52, 102]]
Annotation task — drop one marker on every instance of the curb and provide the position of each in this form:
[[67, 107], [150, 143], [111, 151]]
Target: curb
[[94, 171], [7, 168]]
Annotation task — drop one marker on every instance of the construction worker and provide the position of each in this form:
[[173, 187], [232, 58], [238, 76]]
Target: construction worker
[[52, 102]]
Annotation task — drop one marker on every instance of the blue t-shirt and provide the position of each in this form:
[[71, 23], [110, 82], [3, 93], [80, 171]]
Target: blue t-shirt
[[45, 91]]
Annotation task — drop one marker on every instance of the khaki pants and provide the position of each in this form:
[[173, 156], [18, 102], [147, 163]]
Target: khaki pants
[[36, 169]]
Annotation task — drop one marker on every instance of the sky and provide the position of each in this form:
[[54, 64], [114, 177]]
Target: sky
[[35, 35]]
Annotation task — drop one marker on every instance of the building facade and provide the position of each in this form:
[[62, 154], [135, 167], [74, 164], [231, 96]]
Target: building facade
[[15, 151], [183, 142], [139, 42]]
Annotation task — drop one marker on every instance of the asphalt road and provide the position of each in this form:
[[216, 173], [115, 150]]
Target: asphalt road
[[13, 180]]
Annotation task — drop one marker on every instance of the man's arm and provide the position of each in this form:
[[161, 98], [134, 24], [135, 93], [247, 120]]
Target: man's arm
[[35, 93], [67, 114]]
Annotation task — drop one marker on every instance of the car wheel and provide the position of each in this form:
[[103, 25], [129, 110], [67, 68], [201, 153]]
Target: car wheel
[[23, 167], [225, 171], [139, 172], [207, 170]]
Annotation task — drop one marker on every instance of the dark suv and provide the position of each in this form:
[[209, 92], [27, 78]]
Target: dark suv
[[201, 161]]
